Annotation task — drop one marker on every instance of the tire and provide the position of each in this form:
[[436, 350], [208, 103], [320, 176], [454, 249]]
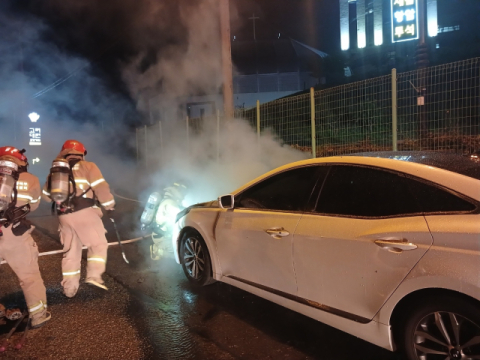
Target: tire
[[195, 260], [444, 327]]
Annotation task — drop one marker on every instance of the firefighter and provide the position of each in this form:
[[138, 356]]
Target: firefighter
[[17, 246], [168, 209], [80, 217]]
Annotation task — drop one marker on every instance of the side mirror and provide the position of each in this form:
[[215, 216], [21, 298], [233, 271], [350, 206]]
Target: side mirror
[[226, 201]]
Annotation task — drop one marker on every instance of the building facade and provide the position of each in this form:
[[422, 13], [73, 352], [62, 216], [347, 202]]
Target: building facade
[[378, 35], [365, 22]]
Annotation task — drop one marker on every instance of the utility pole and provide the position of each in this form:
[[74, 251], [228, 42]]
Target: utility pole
[[422, 63], [226, 58], [422, 49], [254, 32]]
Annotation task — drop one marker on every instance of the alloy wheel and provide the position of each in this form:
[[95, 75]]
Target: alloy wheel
[[446, 336], [194, 258]]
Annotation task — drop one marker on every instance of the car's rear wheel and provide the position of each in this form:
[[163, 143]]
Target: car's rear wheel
[[445, 329], [195, 260]]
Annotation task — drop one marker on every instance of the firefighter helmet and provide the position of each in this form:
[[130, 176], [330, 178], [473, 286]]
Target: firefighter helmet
[[73, 147], [13, 154]]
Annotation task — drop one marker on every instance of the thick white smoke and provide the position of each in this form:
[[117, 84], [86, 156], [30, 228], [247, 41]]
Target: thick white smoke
[[220, 157], [170, 50]]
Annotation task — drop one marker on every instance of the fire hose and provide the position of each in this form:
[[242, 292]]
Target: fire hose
[[53, 252], [126, 198], [119, 242]]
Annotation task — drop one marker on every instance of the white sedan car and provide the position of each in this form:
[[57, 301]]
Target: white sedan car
[[384, 246]]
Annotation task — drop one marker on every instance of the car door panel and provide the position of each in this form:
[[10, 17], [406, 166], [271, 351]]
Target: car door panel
[[338, 263], [254, 240], [247, 252]]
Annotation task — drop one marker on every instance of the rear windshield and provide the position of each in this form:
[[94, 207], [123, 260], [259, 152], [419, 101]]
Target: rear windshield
[[465, 165]]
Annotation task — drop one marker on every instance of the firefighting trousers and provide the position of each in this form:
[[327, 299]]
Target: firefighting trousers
[[82, 228], [21, 253]]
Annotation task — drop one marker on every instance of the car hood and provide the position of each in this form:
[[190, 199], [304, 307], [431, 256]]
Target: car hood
[[209, 204]]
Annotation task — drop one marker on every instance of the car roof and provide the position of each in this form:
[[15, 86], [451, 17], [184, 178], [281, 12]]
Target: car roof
[[465, 165], [426, 165]]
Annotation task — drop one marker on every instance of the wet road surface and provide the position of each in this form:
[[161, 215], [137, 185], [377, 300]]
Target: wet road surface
[[152, 312]]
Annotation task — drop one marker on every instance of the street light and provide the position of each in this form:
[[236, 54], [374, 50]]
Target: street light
[[33, 117]]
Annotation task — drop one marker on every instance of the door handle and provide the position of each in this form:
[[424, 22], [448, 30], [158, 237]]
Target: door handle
[[277, 233], [395, 246]]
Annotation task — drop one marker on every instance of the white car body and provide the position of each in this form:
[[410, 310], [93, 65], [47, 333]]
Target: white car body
[[330, 268]]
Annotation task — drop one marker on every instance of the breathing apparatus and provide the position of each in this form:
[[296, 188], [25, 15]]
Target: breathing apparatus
[[8, 180], [173, 196], [9, 213], [150, 210], [63, 190], [60, 179]]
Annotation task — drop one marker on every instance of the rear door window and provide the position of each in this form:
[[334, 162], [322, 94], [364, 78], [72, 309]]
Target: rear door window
[[356, 191], [288, 191], [433, 199]]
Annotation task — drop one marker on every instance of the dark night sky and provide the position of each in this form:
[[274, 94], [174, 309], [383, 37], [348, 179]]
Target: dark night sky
[[106, 32], [103, 33], [310, 21]]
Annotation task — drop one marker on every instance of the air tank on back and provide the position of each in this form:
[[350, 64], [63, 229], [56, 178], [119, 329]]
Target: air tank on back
[[8, 170], [59, 181]]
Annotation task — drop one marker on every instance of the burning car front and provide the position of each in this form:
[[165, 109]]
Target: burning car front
[[202, 216]]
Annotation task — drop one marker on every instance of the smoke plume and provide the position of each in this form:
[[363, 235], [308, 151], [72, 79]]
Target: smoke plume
[[92, 70], [222, 155]]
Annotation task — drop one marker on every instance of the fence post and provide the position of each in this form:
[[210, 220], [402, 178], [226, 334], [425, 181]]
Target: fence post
[[218, 136], [394, 110], [146, 147], [258, 119], [312, 112]]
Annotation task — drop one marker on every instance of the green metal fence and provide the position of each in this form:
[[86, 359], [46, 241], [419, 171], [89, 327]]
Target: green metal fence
[[436, 108], [354, 117], [439, 108], [349, 118]]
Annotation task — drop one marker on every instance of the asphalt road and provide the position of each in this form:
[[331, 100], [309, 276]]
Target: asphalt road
[[152, 312]]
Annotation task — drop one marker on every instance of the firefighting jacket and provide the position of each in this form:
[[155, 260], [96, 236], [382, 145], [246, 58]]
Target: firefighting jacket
[[89, 184], [28, 191]]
